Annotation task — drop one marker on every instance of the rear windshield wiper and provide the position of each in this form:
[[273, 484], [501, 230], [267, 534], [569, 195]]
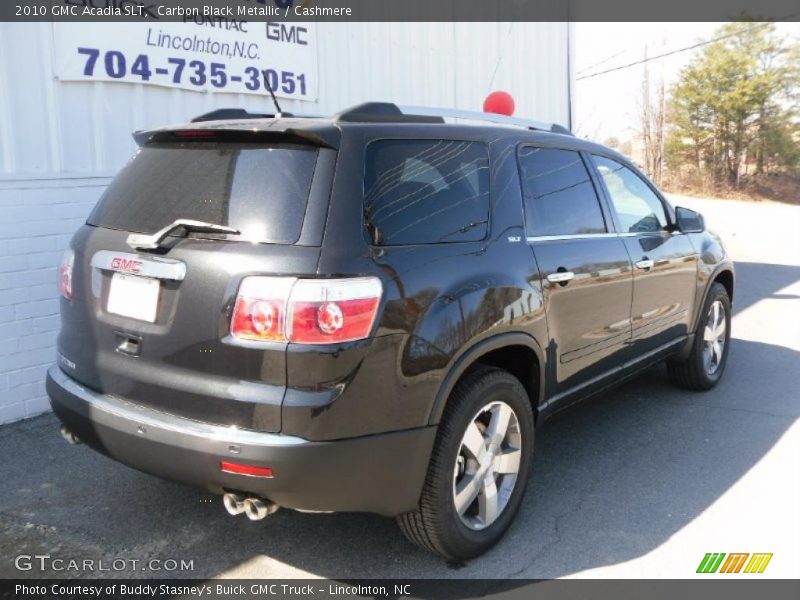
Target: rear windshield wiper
[[143, 241]]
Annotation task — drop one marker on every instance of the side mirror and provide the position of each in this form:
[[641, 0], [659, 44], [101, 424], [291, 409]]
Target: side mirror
[[689, 221]]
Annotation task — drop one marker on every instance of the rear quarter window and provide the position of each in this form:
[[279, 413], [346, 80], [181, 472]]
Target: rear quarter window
[[426, 191]]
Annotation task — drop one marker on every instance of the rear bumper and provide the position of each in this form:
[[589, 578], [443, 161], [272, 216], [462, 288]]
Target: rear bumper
[[378, 473]]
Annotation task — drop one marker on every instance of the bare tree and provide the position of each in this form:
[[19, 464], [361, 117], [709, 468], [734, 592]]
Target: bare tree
[[652, 116]]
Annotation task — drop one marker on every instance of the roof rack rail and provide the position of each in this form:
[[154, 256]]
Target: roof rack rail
[[453, 113], [382, 112]]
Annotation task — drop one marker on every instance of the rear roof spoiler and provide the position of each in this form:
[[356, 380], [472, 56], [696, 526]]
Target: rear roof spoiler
[[220, 125], [321, 137]]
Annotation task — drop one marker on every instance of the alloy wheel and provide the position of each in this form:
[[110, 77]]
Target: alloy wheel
[[714, 337], [487, 465]]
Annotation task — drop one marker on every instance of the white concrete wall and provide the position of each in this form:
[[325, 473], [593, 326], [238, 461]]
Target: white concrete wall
[[60, 142]]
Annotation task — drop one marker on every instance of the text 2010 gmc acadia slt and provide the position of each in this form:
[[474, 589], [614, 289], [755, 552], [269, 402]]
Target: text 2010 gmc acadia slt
[[372, 312]]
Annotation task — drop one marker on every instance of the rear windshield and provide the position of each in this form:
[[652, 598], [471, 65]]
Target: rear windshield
[[261, 191]]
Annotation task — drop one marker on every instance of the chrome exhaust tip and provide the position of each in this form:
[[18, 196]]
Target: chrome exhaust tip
[[258, 508], [71, 438], [234, 503], [254, 507]]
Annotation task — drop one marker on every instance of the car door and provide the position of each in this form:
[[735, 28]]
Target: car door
[[665, 262], [583, 266]]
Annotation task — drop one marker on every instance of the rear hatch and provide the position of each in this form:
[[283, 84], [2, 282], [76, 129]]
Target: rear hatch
[[152, 326]]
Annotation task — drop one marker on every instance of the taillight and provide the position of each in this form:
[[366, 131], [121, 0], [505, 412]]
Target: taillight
[[65, 274], [332, 310], [260, 309], [306, 311]]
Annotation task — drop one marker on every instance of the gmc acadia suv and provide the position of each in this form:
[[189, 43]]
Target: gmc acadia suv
[[373, 312]]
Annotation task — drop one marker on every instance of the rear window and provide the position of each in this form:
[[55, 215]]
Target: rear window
[[426, 191], [261, 191]]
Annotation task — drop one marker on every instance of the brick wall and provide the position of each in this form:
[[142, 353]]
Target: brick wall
[[38, 220]]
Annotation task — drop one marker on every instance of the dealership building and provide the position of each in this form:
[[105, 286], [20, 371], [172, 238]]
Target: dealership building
[[71, 94]]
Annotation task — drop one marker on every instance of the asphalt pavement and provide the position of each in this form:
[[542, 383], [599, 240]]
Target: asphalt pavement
[[640, 482]]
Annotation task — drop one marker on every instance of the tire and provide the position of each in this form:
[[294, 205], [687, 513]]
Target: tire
[[704, 366], [436, 524]]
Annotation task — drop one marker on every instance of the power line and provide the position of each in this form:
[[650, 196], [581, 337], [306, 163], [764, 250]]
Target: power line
[[602, 62], [678, 51]]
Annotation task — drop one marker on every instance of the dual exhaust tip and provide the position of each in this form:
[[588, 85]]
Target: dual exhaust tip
[[254, 507]]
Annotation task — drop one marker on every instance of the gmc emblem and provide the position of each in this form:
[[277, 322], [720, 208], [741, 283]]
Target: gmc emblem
[[128, 265]]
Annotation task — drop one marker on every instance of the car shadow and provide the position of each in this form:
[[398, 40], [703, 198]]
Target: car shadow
[[614, 478], [759, 281]]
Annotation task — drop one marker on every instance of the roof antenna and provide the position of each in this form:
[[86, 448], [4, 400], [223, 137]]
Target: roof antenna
[[271, 93]]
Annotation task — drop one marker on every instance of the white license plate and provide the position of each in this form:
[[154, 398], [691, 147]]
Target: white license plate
[[134, 297]]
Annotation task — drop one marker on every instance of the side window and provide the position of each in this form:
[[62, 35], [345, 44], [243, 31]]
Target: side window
[[637, 206], [560, 198], [426, 191]]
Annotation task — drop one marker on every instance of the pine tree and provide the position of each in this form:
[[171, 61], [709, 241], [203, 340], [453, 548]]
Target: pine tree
[[736, 102]]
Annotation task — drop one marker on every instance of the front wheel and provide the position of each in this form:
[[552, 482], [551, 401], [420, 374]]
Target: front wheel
[[704, 366], [479, 468]]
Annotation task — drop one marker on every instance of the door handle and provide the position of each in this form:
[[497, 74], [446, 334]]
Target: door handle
[[561, 277], [645, 264]]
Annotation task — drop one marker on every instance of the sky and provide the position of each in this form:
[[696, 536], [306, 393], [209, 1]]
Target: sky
[[606, 105]]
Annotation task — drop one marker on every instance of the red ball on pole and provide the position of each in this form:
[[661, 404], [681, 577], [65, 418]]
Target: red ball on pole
[[500, 103]]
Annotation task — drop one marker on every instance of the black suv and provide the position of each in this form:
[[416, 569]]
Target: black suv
[[372, 312]]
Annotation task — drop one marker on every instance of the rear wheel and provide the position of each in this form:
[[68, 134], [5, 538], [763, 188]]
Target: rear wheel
[[479, 468], [704, 366]]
